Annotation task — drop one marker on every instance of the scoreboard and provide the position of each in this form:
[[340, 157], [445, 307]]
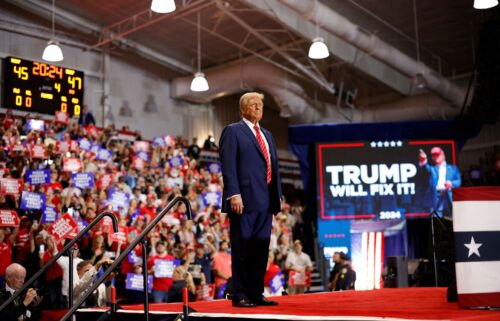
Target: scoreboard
[[33, 86]]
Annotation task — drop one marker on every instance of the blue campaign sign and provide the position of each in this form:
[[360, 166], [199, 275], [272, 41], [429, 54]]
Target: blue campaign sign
[[85, 143], [133, 258], [38, 176], [49, 215], [175, 161], [118, 199], [104, 154], [158, 141], [277, 283], [135, 282], [143, 155], [165, 268], [83, 180], [35, 124], [212, 198], [214, 168], [32, 201]]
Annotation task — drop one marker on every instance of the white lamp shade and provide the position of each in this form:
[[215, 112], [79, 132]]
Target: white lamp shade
[[485, 4], [318, 49], [163, 6], [199, 82], [52, 52]]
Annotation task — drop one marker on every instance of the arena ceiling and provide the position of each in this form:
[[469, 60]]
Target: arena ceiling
[[439, 34]]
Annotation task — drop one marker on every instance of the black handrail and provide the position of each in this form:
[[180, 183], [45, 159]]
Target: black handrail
[[59, 254], [125, 253]]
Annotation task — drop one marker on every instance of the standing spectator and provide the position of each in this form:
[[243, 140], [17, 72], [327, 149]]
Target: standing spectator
[[204, 261], [86, 117], [298, 262], [5, 252], [194, 149], [160, 284], [221, 266], [28, 307], [63, 262], [209, 143], [345, 279]]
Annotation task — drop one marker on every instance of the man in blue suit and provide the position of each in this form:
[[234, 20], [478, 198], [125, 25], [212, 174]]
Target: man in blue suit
[[442, 178], [252, 194]]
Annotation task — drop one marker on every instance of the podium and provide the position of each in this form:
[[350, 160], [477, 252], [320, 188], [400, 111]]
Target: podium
[[476, 227]]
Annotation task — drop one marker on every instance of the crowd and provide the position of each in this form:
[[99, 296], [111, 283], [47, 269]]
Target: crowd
[[135, 180]]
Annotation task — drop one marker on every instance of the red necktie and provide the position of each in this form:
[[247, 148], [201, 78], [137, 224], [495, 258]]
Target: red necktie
[[264, 151]]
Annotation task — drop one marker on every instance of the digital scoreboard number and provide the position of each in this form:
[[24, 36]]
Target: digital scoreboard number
[[33, 86]]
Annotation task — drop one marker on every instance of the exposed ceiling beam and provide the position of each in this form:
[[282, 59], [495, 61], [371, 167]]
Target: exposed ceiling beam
[[338, 47], [72, 21]]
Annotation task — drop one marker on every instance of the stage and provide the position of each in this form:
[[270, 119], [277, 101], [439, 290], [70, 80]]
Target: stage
[[385, 304]]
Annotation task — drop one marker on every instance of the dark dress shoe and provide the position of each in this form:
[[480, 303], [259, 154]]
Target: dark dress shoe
[[244, 303], [265, 302]]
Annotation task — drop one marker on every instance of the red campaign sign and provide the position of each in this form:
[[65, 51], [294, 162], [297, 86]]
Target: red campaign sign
[[138, 163], [104, 181], [38, 151], [141, 146], [170, 141], [8, 218], [121, 236], [91, 130], [17, 150], [205, 292], [62, 117], [62, 147], [299, 279], [11, 186], [72, 164], [4, 171], [62, 227]]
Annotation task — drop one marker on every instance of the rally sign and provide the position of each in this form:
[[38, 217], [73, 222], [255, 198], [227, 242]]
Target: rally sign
[[62, 147], [32, 201], [118, 199], [9, 218], [277, 283], [62, 117], [214, 168], [135, 282], [83, 180], [299, 278], [62, 227], [37, 177], [212, 198], [3, 171], [104, 154], [141, 146], [17, 150], [133, 258], [35, 124], [176, 161], [38, 151], [143, 155], [49, 215], [120, 236], [72, 164], [138, 163], [205, 292], [158, 141], [91, 130], [85, 143], [11, 186], [170, 140], [104, 181], [164, 268]]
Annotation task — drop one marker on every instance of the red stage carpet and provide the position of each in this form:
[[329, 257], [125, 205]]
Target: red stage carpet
[[392, 304]]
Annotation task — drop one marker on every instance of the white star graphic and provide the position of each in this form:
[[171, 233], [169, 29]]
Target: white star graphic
[[473, 247]]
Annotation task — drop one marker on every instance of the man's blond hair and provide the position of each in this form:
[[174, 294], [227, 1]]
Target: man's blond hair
[[245, 97]]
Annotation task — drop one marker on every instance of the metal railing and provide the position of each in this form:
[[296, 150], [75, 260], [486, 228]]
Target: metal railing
[[124, 254], [67, 248]]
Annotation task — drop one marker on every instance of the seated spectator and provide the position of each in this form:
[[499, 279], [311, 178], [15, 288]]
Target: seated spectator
[[25, 308]]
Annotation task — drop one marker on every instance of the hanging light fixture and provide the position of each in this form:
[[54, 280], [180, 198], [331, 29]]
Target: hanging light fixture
[[163, 6], [53, 52], [199, 82], [318, 48], [485, 4]]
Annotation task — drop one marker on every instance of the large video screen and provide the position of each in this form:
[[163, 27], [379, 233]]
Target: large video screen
[[386, 180]]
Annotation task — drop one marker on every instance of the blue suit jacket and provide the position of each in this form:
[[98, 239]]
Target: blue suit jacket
[[452, 175], [244, 169]]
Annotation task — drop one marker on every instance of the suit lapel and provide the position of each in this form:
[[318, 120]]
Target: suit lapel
[[251, 136]]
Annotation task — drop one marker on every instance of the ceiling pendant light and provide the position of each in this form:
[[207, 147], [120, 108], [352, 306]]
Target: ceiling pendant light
[[318, 48], [485, 4], [199, 82], [163, 6], [53, 52]]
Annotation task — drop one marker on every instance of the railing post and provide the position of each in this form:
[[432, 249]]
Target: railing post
[[144, 243]]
